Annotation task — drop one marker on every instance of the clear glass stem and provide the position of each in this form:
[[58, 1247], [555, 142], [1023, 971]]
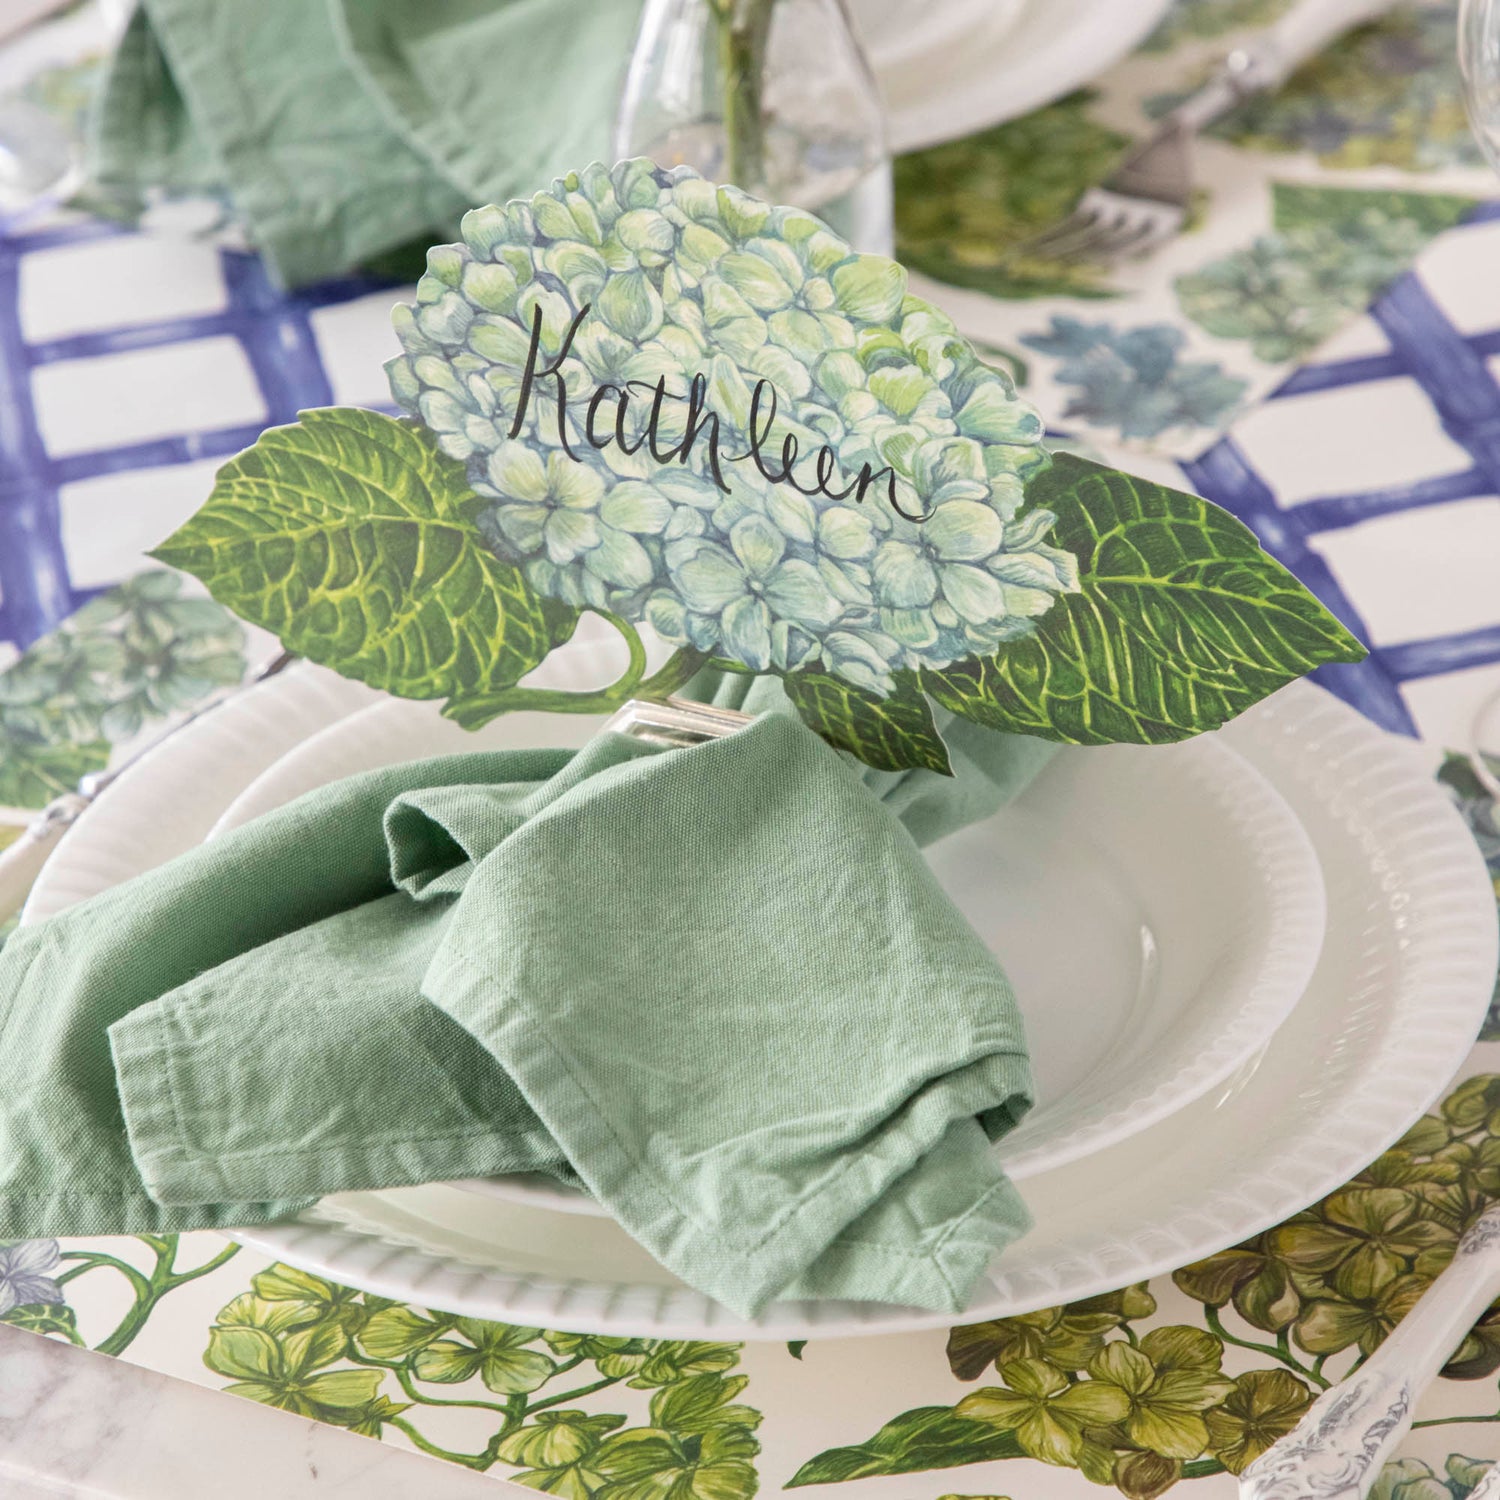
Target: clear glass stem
[[774, 96], [744, 28]]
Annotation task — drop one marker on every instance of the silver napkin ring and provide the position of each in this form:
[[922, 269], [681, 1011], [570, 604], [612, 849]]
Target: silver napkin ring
[[676, 723]]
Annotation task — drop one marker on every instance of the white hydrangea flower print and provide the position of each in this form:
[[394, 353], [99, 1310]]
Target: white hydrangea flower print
[[684, 279]]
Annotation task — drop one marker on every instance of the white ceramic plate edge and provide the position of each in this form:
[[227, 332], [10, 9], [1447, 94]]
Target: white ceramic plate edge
[[124, 832], [1034, 58]]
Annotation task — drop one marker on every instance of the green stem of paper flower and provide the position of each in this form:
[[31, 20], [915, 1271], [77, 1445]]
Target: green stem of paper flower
[[678, 671], [636, 667], [674, 673]]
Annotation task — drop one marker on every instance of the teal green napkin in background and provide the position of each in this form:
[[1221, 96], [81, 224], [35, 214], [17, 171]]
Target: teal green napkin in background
[[343, 129], [718, 985]]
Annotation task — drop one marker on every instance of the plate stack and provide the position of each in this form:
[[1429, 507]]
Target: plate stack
[[1247, 963]]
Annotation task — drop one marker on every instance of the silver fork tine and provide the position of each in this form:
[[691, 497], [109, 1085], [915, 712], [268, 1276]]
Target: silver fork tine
[[1136, 239], [1107, 233], [1145, 199], [1074, 238]]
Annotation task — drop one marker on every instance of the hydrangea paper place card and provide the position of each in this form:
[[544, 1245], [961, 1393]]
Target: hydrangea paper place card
[[671, 404]]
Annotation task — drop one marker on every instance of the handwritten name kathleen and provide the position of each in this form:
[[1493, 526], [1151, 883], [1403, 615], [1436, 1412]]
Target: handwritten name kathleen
[[701, 422]]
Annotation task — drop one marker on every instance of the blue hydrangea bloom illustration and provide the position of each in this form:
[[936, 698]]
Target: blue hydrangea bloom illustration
[[684, 281], [1132, 380]]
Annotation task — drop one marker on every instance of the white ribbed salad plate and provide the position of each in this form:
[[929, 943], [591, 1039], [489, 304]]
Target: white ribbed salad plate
[[1159, 912], [1399, 992]]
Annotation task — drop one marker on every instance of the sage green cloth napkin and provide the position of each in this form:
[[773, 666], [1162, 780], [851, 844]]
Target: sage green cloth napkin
[[719, 986], [342, 129]]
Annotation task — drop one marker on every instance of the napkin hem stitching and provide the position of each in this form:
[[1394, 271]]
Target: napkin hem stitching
[[516, 1021]]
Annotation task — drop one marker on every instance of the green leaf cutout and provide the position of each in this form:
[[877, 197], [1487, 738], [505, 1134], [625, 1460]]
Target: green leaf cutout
[[348, 535], [930, 1437], [890, 734], [1181, 621]]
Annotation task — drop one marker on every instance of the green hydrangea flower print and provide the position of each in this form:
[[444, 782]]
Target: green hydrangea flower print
[[638, 282], [1412, 1479], [1387, 95], [1332, 251], [130, 657], [967, 210]]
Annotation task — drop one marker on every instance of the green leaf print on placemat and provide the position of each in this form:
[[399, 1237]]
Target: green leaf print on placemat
[[34, 770], [964, 208], [1202, 20], [304, 1345], [1479, 812], [1333, 250], [1090, 1386]]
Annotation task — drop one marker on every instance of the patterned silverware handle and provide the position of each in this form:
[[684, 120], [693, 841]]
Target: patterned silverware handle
[[1337, 1450], [1264, 63]]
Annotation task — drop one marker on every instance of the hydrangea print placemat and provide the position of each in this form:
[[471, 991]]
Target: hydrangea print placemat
[[1309, 203]]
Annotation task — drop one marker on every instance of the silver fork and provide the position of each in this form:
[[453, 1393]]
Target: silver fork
[[1145, 200]]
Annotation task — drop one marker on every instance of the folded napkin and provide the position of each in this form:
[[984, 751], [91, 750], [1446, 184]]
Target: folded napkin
[[342, 129], [719, 986]]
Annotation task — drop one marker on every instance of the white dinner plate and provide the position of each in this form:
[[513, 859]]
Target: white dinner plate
[[1400, 990], [1196, 892], [977, 62]]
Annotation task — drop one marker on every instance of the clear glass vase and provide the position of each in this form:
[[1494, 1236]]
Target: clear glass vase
[[773, 95]]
